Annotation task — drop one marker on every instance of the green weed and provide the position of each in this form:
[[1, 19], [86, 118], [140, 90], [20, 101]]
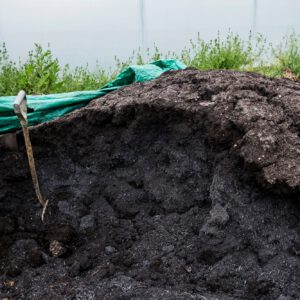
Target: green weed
[[8, 74], [41, 72], [287, 55], [232, 53]]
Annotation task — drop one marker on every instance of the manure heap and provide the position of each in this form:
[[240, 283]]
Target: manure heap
[[185, 187]]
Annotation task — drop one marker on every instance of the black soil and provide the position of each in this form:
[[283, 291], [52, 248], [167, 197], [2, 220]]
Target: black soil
[[186, 187]]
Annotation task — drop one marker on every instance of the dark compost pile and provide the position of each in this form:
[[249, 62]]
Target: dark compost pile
[[185, 187]]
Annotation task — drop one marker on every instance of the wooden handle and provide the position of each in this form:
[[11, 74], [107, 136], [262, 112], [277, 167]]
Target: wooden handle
[[20, 109]]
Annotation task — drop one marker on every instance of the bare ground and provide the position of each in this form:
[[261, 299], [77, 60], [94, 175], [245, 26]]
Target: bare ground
[[186, 187]]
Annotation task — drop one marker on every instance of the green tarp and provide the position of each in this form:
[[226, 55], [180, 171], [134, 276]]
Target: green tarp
[[43, 108]]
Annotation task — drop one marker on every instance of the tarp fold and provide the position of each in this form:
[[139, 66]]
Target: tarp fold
[[43, 108]]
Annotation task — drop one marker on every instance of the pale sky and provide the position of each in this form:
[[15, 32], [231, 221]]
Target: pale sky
[[88, 30]]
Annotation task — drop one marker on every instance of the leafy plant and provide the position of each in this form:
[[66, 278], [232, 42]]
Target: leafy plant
[[81, 78], [39, 74], [8, 73], [233, 53], [287, 55]]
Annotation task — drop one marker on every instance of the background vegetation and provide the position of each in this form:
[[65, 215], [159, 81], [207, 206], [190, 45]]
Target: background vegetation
[[41, 72]]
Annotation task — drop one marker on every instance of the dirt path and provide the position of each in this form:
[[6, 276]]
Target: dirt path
[[186, 187]]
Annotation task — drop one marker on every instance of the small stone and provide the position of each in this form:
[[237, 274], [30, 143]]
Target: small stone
[[110, 250], [168, 249], [87, 223], [9, 283], [57, 249]]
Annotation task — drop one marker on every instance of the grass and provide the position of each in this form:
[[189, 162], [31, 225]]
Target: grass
[[41, 72]]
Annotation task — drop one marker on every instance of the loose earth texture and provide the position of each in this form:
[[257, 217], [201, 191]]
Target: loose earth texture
[[185, 187]]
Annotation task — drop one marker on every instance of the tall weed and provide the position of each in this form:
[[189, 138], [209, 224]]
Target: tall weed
[[287, 55], [41, 72], [231, 53]]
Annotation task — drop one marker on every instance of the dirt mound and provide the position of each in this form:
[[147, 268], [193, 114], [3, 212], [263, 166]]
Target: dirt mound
[[186, 187]]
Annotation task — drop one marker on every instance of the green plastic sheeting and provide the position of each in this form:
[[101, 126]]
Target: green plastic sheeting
[[44, 108]]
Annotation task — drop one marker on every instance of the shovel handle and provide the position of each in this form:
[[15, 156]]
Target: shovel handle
[[20, 109]]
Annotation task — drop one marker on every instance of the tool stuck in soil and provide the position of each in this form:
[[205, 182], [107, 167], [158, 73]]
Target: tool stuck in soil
[[20, 109]]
